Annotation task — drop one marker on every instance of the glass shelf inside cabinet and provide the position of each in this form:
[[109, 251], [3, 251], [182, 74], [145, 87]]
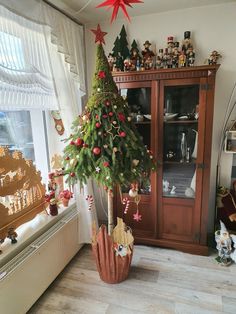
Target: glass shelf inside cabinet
[[139, 102], [180, 138]]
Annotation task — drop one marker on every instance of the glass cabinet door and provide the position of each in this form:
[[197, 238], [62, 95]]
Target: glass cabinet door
[[139, 102], [180, 139]]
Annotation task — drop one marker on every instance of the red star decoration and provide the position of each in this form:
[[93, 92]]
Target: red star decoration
[[116, 4], [101, 74], [99, 35], [137, 217]]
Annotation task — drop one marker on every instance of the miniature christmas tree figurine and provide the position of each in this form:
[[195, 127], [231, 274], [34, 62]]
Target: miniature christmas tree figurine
[[105, 142], [124, 50]]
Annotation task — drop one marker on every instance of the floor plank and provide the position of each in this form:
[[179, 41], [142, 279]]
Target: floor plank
[[160, 281]]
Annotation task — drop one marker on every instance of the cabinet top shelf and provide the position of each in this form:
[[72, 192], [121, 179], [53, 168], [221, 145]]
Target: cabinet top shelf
[[170, 73]]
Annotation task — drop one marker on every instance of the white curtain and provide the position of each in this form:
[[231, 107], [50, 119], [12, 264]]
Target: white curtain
[[25, 72], [62, 42]]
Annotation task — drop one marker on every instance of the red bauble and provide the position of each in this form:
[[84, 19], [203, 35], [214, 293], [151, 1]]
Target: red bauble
[[98, 125], [121, 116], [79, 142], [96, 150], [72, 143], [67, 158], [107, 103], [72, 174], [106, 164], [101, 74], [122, 134], [97, 117], [104, 116], [110, 114]]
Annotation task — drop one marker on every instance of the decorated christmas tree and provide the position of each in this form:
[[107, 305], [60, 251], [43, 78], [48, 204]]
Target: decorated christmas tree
[[104, 144]]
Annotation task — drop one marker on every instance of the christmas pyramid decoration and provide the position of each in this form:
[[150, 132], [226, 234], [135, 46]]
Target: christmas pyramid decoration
[[104, 143]]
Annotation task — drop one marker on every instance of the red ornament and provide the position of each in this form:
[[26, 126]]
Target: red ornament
[[98, 125], [97, 150], [79, 142], [122, 134], [104, 116], [106, 164], [67, 158], [101, 74], [116, 4], [121, 117], [110, 114], [97, 116], [72, 143], [99, 35], [72, 174], [107, 103]]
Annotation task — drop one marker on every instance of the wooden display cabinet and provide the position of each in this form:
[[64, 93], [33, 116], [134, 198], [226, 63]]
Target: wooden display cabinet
[[173, 110]]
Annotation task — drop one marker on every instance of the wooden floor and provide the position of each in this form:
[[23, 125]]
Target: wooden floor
[[160, 281]]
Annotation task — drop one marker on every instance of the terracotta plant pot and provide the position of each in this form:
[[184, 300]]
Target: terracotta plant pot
[[112, 268], [65, 201]]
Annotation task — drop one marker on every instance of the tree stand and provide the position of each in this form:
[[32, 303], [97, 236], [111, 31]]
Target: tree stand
[[113, 252]]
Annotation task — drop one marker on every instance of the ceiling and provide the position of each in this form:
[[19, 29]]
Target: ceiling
[[85, 12]]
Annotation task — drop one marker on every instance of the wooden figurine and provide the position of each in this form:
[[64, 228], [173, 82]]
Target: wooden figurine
[[187, 43], [182, 59], [148, 55], [214, 56]]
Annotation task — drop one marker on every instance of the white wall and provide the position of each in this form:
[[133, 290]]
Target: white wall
[[212, 28]]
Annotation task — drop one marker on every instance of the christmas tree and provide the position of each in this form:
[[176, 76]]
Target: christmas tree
[[134, 46], [124, 50], [105, 144], [116, 48]]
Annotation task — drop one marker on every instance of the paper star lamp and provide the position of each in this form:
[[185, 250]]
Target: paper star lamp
[[99, 35], [116, 4]]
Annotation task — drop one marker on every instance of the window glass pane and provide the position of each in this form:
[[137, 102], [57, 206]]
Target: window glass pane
[[11, 52], [16, 132]]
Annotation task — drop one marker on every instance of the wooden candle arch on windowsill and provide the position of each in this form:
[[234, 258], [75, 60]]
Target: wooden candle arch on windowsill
[[21, 192]]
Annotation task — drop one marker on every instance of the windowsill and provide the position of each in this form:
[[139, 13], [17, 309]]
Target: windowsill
[[29, 231]]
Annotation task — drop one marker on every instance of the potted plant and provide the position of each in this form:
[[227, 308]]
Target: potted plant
[[52, 201], [105, 145], [65, 196]]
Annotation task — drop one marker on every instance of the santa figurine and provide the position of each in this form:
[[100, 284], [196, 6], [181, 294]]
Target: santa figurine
[[224, 245]]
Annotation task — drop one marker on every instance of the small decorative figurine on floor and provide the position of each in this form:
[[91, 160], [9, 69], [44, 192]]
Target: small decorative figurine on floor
[[214, 56], [224, 245], [148, 55]]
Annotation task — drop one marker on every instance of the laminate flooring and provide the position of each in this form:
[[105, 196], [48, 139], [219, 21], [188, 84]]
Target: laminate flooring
[[160, 281]]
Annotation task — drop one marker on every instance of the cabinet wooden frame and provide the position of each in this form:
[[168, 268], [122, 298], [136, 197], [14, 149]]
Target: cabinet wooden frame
[[178, 223]]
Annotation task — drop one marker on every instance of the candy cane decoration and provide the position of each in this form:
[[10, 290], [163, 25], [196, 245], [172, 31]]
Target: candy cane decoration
[[89, 198], [126, 202]]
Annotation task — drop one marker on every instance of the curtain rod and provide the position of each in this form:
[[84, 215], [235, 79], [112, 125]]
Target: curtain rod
[[63, 12]]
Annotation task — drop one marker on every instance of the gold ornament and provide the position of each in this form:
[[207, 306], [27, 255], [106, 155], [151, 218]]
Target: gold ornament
[[135, 162]]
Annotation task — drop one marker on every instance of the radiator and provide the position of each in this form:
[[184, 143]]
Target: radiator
[[28, 274]]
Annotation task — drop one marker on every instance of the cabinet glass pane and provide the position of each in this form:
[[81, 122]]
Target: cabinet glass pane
[[180, 137], [139, 102]]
